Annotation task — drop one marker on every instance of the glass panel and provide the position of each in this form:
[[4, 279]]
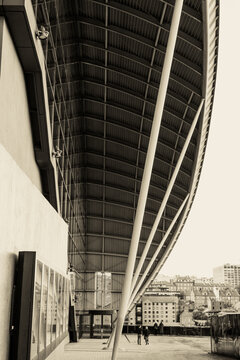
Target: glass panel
[[60, 310], [54, 318], [36, 310], [97, 325], [64, 303], [43, 320], [107, 325], [107, 291], [85, 325], [50, 308], [62, 306]]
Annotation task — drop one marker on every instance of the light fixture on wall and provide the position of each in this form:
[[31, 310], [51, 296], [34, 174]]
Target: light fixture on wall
[[57, 153], [42, 34]]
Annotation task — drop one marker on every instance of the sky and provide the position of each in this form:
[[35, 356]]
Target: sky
[[211, 233]]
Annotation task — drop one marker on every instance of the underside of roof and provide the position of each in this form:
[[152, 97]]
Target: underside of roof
[[104, 62]]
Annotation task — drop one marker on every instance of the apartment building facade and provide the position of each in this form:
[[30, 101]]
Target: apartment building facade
[[157, 308], [228, 274]]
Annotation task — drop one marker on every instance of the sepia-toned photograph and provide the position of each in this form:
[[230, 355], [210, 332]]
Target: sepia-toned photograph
[[119, 179]]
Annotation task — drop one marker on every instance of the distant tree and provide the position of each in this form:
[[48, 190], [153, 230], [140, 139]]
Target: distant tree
[[199, 315], [238, 289], [182, 295], [191, 306]]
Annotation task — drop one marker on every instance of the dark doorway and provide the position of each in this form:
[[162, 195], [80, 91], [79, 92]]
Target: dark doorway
[[96, 324]]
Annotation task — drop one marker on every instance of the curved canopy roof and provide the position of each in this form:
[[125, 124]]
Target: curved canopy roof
[[104, 64]]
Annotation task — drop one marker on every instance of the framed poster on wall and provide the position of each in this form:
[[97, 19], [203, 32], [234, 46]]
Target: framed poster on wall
[[41, 309]]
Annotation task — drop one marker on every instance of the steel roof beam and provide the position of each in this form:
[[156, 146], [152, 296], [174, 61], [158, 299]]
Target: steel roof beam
[[144, 134], [131, 111], [142, 40], [112, 122], [125, 222], [116, 237], [121, 205], [151, 20], [171, 112], [170, 93], [154, 199], [86, 271], [126, 144], [182, 82], [127, 206], [115, 51], [122, 108], [187, 10], [119, 255], [110, 171], [122, 90], [165, 179], [184, 171], [129, 178]]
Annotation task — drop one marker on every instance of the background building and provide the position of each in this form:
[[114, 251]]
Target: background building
[[157, 308], [162, 301], [228, 274], [184, 283]]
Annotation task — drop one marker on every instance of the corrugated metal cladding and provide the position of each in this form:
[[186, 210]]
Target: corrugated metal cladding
[[104, 64]]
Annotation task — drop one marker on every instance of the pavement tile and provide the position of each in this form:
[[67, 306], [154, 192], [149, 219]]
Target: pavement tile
[[160, 348]]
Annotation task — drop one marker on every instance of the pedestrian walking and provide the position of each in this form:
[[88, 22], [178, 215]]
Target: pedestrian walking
[[146, 333], [155, 328], [161, 328], [139, 335]]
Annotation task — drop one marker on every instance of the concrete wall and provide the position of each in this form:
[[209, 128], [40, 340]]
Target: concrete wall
[[27, 223], [15, 129]]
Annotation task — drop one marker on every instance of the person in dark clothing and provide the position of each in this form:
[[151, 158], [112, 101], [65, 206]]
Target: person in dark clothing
[[155, 328], [139, 335], [146, 333], [161, 328]]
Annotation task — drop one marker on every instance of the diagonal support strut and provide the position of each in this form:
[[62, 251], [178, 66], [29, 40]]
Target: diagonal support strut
[[147, 172], [134, 293], [166, 196]]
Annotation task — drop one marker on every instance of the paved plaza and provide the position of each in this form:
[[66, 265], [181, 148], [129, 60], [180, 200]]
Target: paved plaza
[[160, 348]]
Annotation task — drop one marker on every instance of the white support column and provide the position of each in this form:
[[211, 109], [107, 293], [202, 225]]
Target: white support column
[[157, 251], [152, 276], [166, 196], [148, 282], [147, 172]]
